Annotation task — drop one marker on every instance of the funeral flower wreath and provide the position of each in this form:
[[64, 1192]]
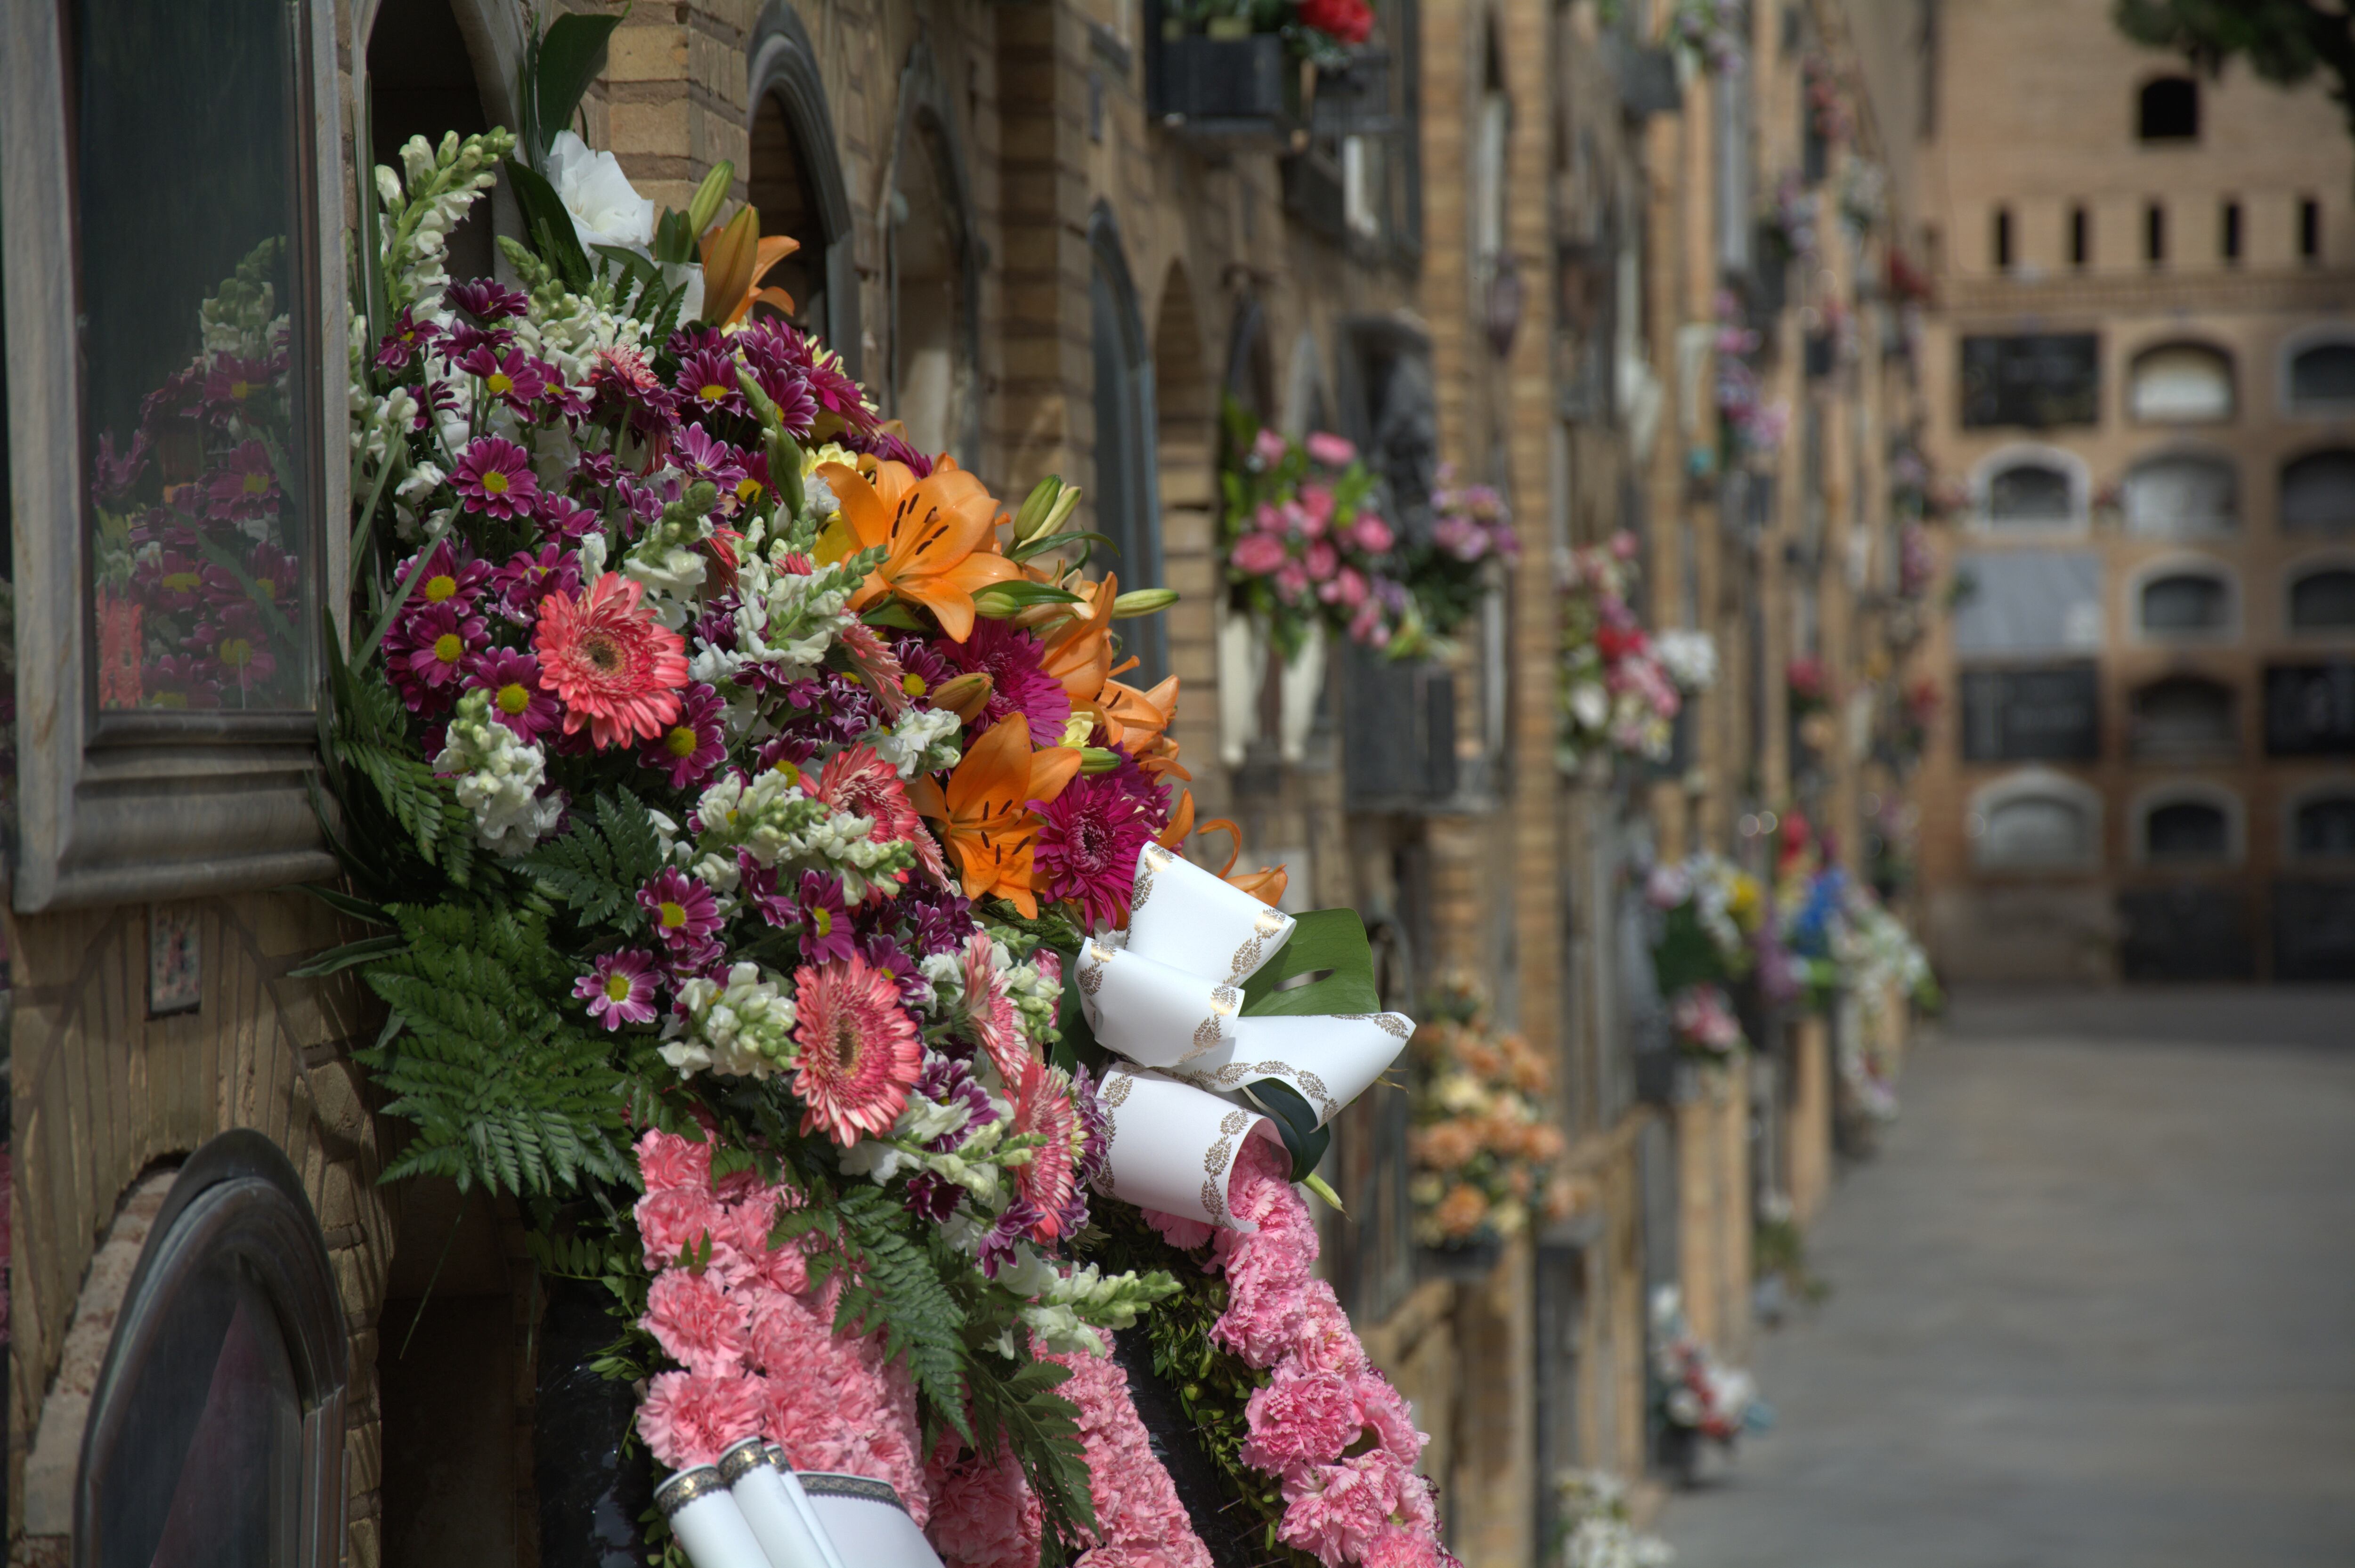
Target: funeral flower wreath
[[753, 838]]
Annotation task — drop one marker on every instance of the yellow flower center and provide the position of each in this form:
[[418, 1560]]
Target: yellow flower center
[[256, 483], [500, 383], [822, 922], [671, 916], [681, 741], [181, 582], [439, 587], [784, 766], [712, 392], [236, 652], [495, 483], [448, 647], [170, 699], [238, 389], [748, 489], [513, 699], [617, 986], [267, 589], [913, 684]]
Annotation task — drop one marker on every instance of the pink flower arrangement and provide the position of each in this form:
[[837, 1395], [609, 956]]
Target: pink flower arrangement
[[1303, 545], [1704, 1020], [1140, 1522], [756, 1345], [615, 667]]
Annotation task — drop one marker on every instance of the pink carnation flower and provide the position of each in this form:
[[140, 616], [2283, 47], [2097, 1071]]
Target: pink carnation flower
[[696, 1323], [1332, 451], [1301, 1418], [1257, 555], [689, 1420], [1326, 1343], [982, 1514], [1335, 1512], [674, 1219], [666, 1160]]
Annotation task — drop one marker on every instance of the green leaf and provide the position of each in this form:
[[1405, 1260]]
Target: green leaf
[[337, 960], [549, 224], [344, 903], [597, 867], [1040, 546], [1331, 941], [571, 53]]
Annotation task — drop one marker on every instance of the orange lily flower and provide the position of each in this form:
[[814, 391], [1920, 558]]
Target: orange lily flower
[[1138, 722], [1266, 884], [939, 533], [984, 812], [735, 259], [1078, 650]]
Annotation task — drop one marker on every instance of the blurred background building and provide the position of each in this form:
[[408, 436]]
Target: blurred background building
[[2142, 383]]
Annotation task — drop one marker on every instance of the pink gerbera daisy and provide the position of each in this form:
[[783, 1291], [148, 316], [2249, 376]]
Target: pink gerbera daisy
[[495, 476], [1050, 1182], [689, 748], [1010, 657], [1089, 837], [860, 1049], [988, 1015], [856, 781], [616, 667], [619, 987]]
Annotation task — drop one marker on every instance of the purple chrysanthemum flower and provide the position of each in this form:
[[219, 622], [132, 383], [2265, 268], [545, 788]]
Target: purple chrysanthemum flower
[[938, 919], [1089, 837], [885, 956], [825, 922], [1009, 656], [245, 488], [517, 699], [515, 378], [694, 744], [756, 886], [830, 709], [486, 299], [682, 911], [437, 643], [706, 383], [528, 577], [923, 669], [702, 455], [1015, 1225], [495, 476], [882, 443], [563, 519], [931, 1197], [1095, 1123], [409, 338], [462, 340], [620, 987], [445, 576]]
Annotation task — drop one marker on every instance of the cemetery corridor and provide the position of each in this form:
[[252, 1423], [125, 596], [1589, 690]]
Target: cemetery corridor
[[2091, 1305]]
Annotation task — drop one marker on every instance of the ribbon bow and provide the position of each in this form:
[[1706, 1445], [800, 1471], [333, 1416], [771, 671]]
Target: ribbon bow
[[1214, 1053]]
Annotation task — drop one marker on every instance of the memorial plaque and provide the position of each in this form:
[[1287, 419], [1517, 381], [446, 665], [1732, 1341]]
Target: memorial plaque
[[1397, 731], [2188, 932], [2310, 709], [2034, 380], [2313, 930], [2049, 713]]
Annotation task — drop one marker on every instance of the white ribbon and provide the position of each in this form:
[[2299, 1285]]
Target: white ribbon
[[1166, 995]]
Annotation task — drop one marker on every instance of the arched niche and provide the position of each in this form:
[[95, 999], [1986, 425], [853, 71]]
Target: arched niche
[[2180, 495], [2180, 384], [217, 1426], [2322, 599], [2031, 489], [2036, 820], [2180, 717], [2320, 823], [933, 271], [2187, 824], [1127, 486], [2184, 599], [2166, 108], [2318, 492], [1251, 361], [435, 65], [2318, 371], [794, 178]]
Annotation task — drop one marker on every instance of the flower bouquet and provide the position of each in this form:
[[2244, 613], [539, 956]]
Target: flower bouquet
[[1321, 31], [1595, 1529], [1616, 698], [1305, 546], [744, 811], [1694, 1394], [1449, 574], [1708, 911], [1484, 1143]]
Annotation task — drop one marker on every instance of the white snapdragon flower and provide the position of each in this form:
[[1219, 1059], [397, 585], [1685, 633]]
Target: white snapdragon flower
[[499, 776], [922, 740], [744, 1026]]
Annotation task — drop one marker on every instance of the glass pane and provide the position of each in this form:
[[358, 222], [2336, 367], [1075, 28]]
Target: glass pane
[[2035, 829], [2327, 827], [2172, 497], [2324, 375], [193, 349], [206, 1474], [2028, 493], [2317, 493], [2187, 830], [2323, 602], [2183, 604]]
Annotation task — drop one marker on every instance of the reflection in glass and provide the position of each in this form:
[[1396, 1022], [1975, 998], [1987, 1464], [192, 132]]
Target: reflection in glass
[[209, 1476], [192, 339]]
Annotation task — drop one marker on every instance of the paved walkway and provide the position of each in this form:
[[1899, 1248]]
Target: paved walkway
[[2093, 1305]]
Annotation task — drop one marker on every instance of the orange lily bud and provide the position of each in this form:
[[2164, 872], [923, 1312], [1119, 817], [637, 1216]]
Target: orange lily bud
[[1266, 884], [965, 696]]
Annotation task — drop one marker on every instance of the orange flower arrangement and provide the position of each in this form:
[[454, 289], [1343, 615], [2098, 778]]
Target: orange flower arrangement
[[1484, 1143], [938, 533], [984, 812]]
